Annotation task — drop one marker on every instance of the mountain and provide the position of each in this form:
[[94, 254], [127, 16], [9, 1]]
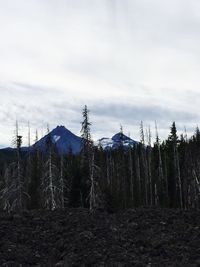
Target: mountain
[[66, 140], [63, 139], [116, 141]]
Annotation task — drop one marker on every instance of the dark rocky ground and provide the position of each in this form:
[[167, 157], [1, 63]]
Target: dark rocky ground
[[75, 237]]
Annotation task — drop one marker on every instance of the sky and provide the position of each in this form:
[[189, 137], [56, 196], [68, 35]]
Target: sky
[[127, 60]]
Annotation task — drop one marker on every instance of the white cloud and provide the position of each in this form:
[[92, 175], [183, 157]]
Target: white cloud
[[58, 55]]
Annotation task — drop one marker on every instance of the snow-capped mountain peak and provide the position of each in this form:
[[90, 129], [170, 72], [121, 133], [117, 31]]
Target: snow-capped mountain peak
[[63, 139], [116, 141]]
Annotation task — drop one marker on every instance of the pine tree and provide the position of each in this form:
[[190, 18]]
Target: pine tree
[[86, 158], [176, 178]]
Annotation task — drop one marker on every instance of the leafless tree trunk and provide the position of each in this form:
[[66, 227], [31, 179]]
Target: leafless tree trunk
[[62, 183], [131, 176], [13, 193], [177, 167], [96, 200]]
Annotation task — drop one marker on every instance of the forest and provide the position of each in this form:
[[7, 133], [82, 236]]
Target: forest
[[163, 174]]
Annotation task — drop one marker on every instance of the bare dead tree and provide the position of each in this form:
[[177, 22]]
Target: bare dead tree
[[160, 165], [62, 184], [149, 156], [131, 175], [48, 183], [52, 185], [13, 194], [144, 164], [96, 196]]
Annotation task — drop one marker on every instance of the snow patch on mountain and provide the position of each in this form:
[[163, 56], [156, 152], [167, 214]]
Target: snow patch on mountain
[[116, 141], [56, 138], [105, 143], [64, 140]]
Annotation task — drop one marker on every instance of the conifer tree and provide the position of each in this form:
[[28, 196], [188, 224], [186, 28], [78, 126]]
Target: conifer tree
[[176, 184], [86, 158]]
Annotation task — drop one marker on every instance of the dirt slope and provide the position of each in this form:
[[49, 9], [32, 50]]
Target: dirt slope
[[75, 237]]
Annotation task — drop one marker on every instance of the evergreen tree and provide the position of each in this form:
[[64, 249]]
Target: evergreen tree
[[86, 159], [175, 183]]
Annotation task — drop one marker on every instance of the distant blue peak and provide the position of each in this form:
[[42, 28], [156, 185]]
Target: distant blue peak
[[60, 129], [63, 139], [120, 137]]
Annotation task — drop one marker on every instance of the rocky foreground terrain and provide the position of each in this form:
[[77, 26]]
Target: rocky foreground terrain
[[76, 237]]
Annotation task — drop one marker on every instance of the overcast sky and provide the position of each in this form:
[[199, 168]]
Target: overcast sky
[[128, 60]]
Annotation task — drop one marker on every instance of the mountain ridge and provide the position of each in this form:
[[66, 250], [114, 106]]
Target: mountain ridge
[[66, 141]]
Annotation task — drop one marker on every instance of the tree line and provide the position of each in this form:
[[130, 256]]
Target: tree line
[[165, 174]]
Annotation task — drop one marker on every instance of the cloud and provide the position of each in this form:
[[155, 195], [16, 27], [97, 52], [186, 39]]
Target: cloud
[[133, 114], [129, 60]]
